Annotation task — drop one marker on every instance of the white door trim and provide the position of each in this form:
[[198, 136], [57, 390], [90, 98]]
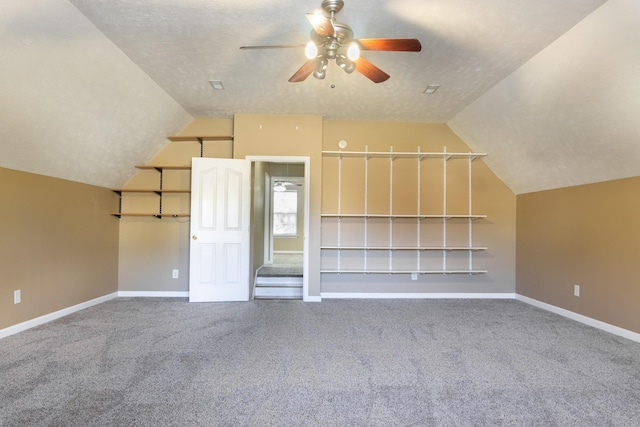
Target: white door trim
[[307, 178], [268, 227]]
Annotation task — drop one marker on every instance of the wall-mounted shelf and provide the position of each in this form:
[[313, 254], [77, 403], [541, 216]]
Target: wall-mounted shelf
[[391, 272], [160, 190], [150, 214], [377, 252], [447, 217], [406, 248], [201, 140], [161, 168], [405, 154], [148, 190]]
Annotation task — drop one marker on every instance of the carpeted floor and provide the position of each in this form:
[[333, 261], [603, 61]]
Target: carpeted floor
[[284, 265], [165, 362]]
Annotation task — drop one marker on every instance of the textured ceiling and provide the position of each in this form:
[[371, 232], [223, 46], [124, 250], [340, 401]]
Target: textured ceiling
[[545, 87], [468, 47], [72, 105], [569, 116]]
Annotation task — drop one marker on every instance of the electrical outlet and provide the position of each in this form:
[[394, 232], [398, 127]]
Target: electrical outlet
[[414, 276], [576, 290], [176, 273], [17, 297]]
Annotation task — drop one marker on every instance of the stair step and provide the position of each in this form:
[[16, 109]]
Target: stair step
[[281, 281], [277, 292]]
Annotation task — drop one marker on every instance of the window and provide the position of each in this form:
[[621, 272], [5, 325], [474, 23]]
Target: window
[[285, 213]]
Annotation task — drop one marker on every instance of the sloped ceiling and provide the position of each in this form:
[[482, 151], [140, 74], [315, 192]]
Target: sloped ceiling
[[569, 115], [89, 88], [72, 105]]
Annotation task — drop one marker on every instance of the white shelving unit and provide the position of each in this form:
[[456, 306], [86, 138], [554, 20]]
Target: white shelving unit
[[365, 250]]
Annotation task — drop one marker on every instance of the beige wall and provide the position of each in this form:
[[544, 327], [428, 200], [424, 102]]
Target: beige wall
[[584, 235], [151, 248], [490, 197], [280, 135], [58, 244], [257, 216]]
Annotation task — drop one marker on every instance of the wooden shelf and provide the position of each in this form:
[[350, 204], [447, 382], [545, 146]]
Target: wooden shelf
[[200, 138], [157, 215], [146, 190], [160, 169], [163, 167]]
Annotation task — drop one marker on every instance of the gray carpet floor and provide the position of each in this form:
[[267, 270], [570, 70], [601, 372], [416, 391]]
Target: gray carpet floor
[[284, 265], [165, 362]]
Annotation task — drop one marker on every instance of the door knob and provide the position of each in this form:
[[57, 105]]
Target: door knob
[[195, 237]]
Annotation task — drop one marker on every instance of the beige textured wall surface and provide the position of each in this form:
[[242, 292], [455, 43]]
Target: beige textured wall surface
[[151, 248], [586, 235], [257, 216], [397, 193], [58, 244], [281, 135]]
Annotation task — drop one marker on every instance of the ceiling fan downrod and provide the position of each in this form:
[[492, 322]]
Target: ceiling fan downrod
[[332, 6]]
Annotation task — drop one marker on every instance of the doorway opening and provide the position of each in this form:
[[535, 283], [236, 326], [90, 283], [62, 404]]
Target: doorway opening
[[280, 227]]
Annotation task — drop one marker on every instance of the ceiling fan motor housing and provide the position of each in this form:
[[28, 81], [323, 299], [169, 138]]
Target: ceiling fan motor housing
[[332, 6]]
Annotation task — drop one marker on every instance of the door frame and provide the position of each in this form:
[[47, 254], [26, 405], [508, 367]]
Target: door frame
[[306, 160]]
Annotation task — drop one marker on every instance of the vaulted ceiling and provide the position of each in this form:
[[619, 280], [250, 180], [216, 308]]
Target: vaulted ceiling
[[548, 88]]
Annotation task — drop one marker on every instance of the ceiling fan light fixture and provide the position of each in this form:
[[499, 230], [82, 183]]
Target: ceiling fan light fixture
[[353, 52], [321, 69], [311, 50], [346, 64]]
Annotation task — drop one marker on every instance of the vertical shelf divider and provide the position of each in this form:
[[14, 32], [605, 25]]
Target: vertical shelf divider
[[391, 157], [366, 205], [339, 206], [470, 218], [444, 210], [418, 225], [160, 193]]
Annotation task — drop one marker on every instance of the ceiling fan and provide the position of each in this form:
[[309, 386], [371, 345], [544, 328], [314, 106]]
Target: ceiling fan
[[332, 40], [280, 185]]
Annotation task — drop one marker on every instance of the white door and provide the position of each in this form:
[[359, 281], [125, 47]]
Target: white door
[[219, 249]]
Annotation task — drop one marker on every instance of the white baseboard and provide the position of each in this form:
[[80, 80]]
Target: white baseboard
[[364, 295], [154, 294], [625, 333], [11, 330]]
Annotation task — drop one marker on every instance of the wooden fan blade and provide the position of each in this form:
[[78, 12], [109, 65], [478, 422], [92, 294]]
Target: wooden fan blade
[[395, 45], [321, 24], [304, 71], [370, 71], [274, 46]]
